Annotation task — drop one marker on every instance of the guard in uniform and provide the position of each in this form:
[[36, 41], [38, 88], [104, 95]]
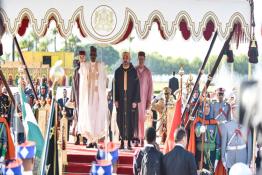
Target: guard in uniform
[[221, 109], [7, 150], [236, 143], [205, 124], [4, 103]]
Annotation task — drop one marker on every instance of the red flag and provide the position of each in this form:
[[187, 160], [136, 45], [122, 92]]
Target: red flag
[[170, 141]]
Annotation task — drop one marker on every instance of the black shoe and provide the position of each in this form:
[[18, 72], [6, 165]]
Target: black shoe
[[90, 145], [84, 141], [122, 145], [95, 145], [77, 139]]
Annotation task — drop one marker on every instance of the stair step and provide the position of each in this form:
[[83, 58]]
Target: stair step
[[91, 158], [80, 160], [77, 168]]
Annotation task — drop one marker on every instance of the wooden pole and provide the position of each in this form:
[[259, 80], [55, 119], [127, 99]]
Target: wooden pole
[[25, 67]]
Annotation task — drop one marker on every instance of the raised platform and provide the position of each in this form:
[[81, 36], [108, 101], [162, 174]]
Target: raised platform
[[80, 160]]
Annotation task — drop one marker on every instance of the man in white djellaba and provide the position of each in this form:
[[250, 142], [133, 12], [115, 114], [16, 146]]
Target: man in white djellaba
[[92, 99]]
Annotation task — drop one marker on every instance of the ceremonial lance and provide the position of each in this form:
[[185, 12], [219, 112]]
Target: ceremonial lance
[[201, 71], [26, 69], [213, 71]]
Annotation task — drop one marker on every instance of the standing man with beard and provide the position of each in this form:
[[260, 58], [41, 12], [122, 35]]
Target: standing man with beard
[[93, 109], [146, 90], [75, 95], [127, 96]]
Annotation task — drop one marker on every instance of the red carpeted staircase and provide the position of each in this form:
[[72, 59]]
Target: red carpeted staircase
[[80, 160]]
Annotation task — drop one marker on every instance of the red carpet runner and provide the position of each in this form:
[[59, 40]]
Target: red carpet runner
[[80, 160]]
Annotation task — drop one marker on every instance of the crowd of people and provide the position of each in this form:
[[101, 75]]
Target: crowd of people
[[215, 139], [215, 142], [212, 140]]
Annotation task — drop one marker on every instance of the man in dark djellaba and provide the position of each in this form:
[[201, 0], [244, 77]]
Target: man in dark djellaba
[[127, 96]]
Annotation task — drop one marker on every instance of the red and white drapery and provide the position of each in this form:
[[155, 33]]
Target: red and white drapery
[[112, 21]]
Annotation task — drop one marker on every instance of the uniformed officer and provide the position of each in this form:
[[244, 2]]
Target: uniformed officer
[[209, 146], [4, 102], [236, 143], [221, 109], [6, 143]]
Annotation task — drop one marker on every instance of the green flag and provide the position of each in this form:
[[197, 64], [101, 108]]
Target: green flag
[[33, 131]]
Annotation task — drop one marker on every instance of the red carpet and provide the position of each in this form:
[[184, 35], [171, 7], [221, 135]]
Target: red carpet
[[80, 160]]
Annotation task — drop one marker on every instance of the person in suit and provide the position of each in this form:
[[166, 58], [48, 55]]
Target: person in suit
[[173, 84], [149, 159], [69, 112], [179, 161]]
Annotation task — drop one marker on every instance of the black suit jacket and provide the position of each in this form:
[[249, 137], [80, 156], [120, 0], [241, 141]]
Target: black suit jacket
[[173, 84], [179, 162], [69, 112]]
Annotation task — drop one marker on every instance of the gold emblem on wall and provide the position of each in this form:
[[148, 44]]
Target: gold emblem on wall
[[103, 20]]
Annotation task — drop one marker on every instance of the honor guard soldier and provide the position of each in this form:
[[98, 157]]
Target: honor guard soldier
[[7, 150], [221, 109], [236, 143], [4, 103], [205, 140]]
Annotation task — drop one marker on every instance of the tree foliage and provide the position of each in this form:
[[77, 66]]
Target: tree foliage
[[27, 44], [160, 64], [43, 45], [105, 53]]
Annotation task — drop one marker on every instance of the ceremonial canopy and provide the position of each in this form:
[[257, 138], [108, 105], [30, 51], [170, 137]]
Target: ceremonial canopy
[[112, 21]]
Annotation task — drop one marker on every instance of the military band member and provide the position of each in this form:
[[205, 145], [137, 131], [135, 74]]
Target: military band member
[[236, 143]]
